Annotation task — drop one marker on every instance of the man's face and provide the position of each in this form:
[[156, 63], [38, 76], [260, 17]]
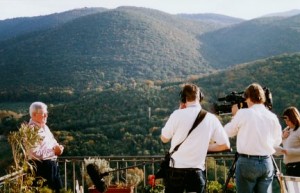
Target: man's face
[[40, 116]]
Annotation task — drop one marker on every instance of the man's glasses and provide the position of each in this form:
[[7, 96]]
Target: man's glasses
[[43, 114]]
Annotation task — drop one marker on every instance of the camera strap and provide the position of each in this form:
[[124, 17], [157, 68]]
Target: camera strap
[[198, 120]]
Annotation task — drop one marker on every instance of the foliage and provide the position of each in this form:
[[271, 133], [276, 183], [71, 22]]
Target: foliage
[[102, 166], [215, 169], [158, 188], [217, 187], [231, 187], [134, 176], [154, 185], [214, 187], [21, 141]]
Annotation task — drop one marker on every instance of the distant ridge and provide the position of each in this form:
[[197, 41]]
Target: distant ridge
[[284, 14], [251, 40], [211, 17], [18, 26]]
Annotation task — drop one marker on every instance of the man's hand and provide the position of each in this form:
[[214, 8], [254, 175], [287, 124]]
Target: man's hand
[[58, 149], [234, 109], [164, 140]]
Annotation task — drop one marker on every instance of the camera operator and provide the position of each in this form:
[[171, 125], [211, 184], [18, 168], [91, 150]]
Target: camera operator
[[258, 131], [187, 173]]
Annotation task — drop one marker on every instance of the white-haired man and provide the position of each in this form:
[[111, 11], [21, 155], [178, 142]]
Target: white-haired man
[[45, 153]]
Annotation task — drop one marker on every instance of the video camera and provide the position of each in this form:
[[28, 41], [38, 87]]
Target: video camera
[[225, 103]]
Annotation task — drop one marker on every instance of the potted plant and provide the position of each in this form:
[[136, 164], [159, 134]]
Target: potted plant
[[100, 176], [97, 176], [131, 179], [154, 186]]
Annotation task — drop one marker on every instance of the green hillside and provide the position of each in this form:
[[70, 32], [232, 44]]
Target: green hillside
[[121, 47], [278, 73], [251, 40], [10, 28], [127, 120], [117, 115], [98, 50]]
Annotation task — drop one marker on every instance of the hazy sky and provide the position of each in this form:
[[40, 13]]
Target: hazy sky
[[246, 9]]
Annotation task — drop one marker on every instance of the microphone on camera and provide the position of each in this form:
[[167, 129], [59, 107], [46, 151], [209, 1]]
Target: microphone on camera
[[97, 177]]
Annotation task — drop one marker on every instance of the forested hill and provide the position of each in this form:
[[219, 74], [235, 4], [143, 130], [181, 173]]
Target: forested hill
[[90, 52], [130, 119], [128, 45], [278, 73], [127, 121], [14, 27], [250, 40]]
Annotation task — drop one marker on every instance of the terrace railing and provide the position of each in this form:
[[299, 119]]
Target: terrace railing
[[73, 171]]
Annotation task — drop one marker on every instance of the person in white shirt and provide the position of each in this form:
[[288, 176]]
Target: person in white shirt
[[45, 153], [258, 132], [188, 172]]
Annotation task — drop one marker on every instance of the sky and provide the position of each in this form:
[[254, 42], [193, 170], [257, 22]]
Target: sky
[[245, 9]]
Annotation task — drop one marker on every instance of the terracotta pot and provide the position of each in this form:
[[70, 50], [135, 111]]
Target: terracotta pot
[[114, 189]]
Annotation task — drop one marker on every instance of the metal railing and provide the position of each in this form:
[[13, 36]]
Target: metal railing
[[73, 171]]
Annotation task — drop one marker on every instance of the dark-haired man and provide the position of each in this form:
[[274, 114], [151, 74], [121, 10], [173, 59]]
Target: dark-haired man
[[187, 173], [258, 131]]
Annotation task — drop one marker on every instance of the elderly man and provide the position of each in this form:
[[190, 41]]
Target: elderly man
[[45, 153]]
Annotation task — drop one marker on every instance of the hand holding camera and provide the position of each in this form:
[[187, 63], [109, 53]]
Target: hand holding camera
[[225, 104]]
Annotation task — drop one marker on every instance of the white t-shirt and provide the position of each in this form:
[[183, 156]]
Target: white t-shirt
[[193, 151], [258, 130]]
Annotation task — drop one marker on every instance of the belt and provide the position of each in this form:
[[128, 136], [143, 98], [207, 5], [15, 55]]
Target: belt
[[53, 159], [37, 160], [185, 169], [254, 156]]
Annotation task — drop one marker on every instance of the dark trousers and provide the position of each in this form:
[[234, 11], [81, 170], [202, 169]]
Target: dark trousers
[[293, 169], [187, 179], [49, 170]]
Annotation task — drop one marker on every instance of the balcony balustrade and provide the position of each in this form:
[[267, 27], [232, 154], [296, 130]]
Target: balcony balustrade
[[72, 168]]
